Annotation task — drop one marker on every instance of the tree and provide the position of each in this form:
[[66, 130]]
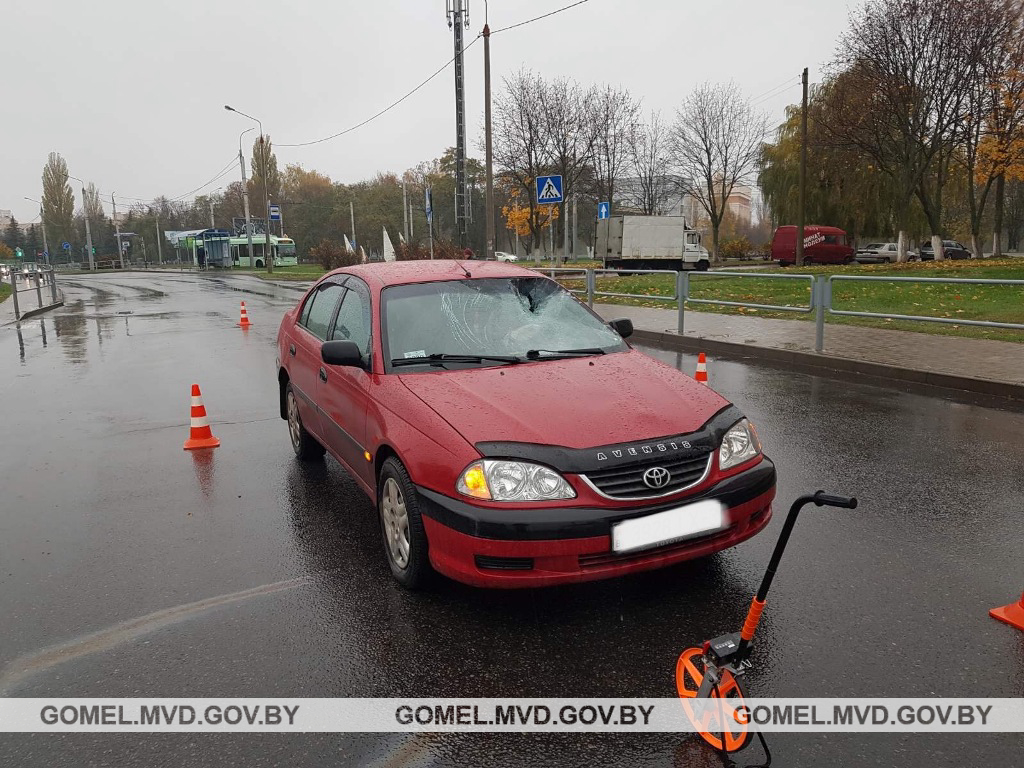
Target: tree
[[32, 242], [988, 137], [58, 201], [716, 142], [520, 139], [649, 155], [264, 166], [901, 94], [13, 236], [6, 254], [614, 116]]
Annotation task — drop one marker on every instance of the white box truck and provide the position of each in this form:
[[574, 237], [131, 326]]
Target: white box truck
[[650, 242]]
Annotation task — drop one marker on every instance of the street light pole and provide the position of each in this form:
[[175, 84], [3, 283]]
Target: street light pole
[[42, 223], [245, 192], [267, 256], [88, 232]]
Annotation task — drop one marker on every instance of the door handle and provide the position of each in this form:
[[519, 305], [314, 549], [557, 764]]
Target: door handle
[[291, 350], [323, 375]]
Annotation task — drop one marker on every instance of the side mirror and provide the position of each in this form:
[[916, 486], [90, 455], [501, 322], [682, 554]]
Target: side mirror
[[622, 326], [341, 352]]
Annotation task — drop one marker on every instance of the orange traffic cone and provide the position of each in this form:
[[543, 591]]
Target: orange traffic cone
[[1012, 614], [702, 369], [243, 321], [199, 435]]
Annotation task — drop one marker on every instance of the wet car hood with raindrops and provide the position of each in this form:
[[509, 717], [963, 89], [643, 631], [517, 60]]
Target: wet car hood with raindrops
[[577, 403]]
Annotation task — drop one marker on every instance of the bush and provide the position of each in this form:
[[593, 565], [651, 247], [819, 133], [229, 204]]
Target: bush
[[735, 248], [331, 255]]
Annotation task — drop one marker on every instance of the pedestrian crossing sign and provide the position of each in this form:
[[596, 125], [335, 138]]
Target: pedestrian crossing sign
[[549, 190]]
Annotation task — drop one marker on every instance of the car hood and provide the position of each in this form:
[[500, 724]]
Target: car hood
[[576, 403]]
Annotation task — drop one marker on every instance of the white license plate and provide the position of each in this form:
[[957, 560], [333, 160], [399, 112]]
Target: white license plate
[[669, 526]]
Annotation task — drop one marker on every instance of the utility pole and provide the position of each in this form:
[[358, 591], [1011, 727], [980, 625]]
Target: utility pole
[[268, 256], [88, 231], [117, 230], [212, 224], [575, 226], [429, 205], [458, 19], [352, 217], [405, 212], [489, 155], [159, 247], [799, 258]]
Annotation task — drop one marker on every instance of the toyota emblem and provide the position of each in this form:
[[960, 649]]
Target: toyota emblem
[[657, 477]]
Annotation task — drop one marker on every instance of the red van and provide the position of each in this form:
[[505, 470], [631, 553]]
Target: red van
[[822, 245]]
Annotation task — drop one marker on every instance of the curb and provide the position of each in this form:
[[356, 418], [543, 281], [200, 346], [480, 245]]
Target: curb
[[812, 362]]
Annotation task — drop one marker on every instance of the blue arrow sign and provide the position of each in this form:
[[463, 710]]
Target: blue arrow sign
[[66, 245], [603, 209], [549, 190], [46, 254]]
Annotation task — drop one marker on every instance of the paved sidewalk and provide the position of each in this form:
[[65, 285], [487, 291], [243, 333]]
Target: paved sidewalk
[[996, 361]]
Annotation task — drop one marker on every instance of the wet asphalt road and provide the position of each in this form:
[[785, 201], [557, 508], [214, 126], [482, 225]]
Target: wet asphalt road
[[104, 520]]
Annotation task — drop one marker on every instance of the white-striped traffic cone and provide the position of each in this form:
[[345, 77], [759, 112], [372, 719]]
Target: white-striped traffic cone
[[243, 321], [200, 435], [702, 369]]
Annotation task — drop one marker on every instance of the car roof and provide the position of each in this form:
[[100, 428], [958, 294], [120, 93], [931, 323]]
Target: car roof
[[385, 273]]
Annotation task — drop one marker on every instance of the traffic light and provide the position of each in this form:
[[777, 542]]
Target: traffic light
[[94, 250]]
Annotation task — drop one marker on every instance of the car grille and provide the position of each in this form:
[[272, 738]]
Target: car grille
[[628, 482]]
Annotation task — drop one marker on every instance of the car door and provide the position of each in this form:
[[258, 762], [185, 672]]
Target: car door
[[304, 349], [342, 391]]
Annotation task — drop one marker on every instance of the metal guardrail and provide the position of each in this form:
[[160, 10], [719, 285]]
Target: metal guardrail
[[42, 276], [820, 297]]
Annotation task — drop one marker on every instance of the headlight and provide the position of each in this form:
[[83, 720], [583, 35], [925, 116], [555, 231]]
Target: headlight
[[499, 480], [740, 444]]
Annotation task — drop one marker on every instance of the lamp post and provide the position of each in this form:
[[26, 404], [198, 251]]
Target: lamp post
[[268, 257], [88, 231], [245, 192], [42, 223]]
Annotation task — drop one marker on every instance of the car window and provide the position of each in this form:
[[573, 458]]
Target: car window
[[322, 307], [353, 321]]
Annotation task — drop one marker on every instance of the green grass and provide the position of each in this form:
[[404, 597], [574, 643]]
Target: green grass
[[301, 272], [967, 302], [5, 291]]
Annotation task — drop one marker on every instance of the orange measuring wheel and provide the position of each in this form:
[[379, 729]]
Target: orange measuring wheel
[[690, 671]]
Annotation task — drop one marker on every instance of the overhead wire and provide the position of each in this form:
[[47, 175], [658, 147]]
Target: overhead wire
[[429, 79]]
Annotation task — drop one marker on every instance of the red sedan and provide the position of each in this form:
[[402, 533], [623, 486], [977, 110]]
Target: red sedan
[[508, 436]]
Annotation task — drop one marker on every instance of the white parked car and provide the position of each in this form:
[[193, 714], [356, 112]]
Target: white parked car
[[881, 253], [502, 256]]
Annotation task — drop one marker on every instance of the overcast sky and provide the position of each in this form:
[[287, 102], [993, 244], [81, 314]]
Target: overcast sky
[[132, 93]]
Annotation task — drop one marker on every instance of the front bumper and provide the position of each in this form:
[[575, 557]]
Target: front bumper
[[530, 547]]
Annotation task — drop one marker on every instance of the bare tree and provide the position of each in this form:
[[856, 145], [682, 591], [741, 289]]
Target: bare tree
[[570, 135], [650, 159], [521, 150], [615, 117], [716, 143], [902, 96]]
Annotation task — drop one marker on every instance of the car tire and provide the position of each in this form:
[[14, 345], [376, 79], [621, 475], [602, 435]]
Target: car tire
[[703, 265], [259, 264], [401, 526], [306, 447]]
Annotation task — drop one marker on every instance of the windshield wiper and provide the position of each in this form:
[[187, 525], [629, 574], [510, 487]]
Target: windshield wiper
[[441, 358], [546, 354]]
